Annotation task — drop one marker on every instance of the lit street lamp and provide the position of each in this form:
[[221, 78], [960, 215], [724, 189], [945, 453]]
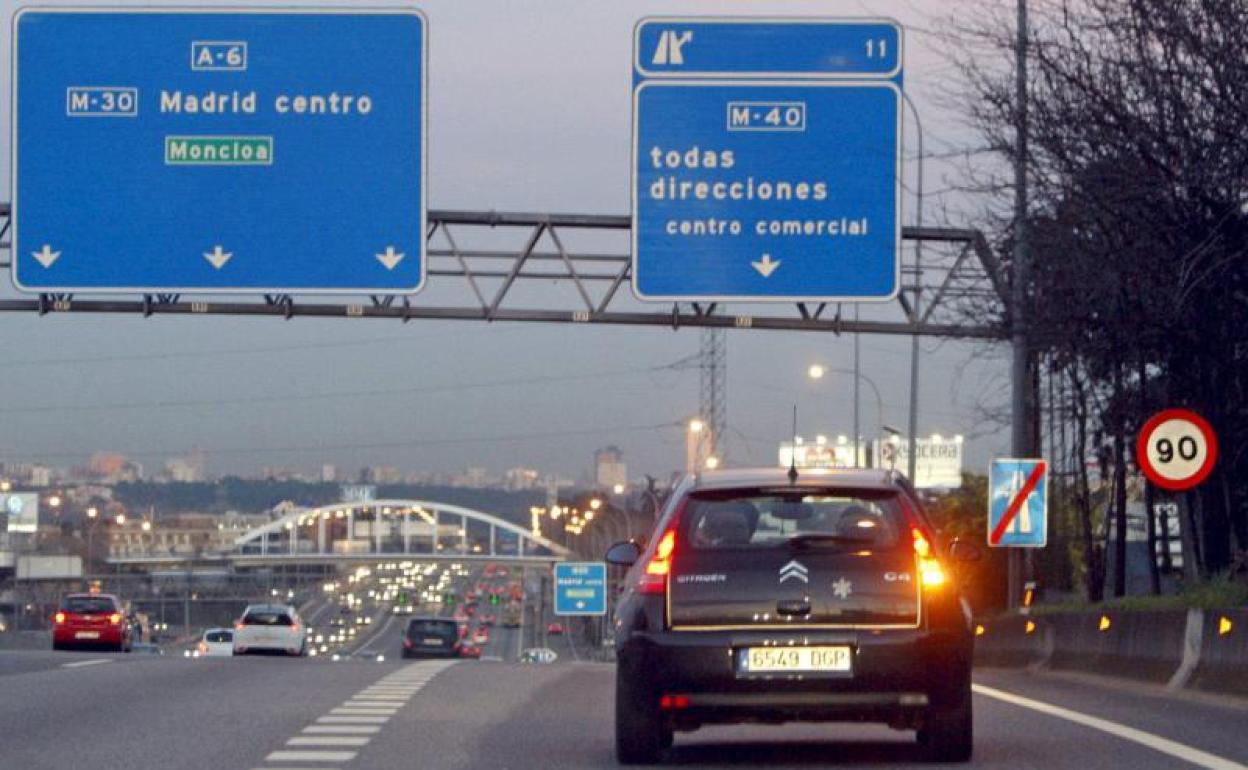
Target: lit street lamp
[[92, 513]]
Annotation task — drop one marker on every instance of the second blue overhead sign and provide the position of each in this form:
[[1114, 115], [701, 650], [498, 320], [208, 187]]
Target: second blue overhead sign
[[766, 159]]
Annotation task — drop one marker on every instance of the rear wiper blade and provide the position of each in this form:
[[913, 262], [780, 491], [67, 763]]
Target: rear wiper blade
[[816, 538]]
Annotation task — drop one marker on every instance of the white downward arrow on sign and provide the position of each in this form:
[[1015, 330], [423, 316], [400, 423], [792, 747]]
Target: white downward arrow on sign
[[766, 266], [390, 257], [218, 256], [46, 255]]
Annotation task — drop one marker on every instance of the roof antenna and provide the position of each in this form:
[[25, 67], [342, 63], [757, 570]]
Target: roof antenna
[[793, 451]]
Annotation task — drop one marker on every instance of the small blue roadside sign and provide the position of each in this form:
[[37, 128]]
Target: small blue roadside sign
[[219, 150], [580, 588], [766, 160], [1018, 503]]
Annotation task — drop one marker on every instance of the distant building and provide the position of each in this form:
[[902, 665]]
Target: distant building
[[609, 467], [329, 473], [475, 478], [382, 474], [187, 469], [518, 479], [106, 466]]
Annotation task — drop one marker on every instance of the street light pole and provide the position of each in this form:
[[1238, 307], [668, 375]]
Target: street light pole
[[857, 375], [1020, 380], [918, 288]]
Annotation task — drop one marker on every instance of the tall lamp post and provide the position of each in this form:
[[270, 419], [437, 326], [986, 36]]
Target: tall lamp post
[[818, 371], [92, 514]]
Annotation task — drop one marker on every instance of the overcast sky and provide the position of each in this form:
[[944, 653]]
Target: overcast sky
[[530, 111]]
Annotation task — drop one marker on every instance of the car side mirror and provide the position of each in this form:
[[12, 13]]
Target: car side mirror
[[624, 554], [965, 552]]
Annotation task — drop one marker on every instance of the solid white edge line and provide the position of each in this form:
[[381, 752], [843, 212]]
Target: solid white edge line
[[81, 663], [1155, 742]]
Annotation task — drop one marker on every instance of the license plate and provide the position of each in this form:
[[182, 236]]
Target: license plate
[[87, 635], [767, 660], [432, 641]]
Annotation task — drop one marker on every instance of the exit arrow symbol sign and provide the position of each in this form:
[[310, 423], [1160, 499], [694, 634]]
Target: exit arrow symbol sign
[[766, 266], [390, 258], [46, 255], [218, 256]]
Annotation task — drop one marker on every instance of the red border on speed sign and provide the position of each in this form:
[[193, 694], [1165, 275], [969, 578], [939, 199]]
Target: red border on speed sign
[[1146, 435]]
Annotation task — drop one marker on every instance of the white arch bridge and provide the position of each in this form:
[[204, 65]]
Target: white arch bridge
[[376, 529]]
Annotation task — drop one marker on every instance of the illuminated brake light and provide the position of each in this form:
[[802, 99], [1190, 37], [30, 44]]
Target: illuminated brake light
[[930, 571], [115, 618], [654, 579], [238, 626], [674, 702], [59, 617]]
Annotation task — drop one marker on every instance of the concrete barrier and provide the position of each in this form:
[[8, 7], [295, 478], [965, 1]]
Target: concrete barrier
[[1222, 665], [1206, 650]]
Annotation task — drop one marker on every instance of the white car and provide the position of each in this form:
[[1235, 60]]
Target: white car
[[215, 643], [270, 628]]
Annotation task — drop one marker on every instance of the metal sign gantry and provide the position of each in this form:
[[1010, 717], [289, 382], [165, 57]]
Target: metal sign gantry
[[576, 268]]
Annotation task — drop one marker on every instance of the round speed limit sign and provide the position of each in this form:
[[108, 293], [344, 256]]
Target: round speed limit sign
[[1176, 449]]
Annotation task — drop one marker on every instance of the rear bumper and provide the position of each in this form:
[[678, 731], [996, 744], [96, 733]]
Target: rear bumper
[[108, 636], [895, 676], [430, 652]]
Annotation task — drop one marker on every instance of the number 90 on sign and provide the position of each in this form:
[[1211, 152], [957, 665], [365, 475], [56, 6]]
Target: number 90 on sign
[[1177, 449]]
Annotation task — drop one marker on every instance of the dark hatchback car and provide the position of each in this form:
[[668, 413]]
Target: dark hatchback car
[[765, 596], [431, 638]]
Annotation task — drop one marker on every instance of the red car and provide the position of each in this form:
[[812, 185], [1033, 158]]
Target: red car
[[91, 621], [469, 651], [555, 629]]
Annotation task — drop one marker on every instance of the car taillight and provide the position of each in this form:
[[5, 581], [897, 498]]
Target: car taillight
[[238, 626], [930, 571], [115, 618], [59, 618], [654, 578], [407, 643]]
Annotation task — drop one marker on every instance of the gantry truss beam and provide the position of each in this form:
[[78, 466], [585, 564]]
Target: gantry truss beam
[[575, 268]]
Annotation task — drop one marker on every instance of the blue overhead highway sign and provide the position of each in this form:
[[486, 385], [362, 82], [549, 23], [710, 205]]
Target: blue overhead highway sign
[[767, 160], [580, 588], [167, 149]]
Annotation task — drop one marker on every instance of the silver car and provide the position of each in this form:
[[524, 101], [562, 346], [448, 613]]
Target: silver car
[[270, 628]]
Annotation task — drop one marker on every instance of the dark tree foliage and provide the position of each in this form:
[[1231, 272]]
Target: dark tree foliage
[[1138, 167]]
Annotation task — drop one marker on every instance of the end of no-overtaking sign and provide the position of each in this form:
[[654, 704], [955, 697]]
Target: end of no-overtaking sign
[[1177, 449]]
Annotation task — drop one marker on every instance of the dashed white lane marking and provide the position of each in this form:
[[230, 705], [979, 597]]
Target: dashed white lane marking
[[310, 756], [341, 729], [327, 740], [81, 663], [1155, 742], [354, 722]]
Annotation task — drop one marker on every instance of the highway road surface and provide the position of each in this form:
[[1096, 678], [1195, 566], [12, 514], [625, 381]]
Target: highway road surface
[[106, 712]]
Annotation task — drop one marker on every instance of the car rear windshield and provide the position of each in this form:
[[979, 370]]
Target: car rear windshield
[[86, 605], [219, 636], [267, 618], [431, 628], [767, 518]]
